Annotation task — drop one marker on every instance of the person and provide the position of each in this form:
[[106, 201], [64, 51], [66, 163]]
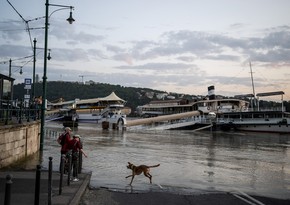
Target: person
[[76, 146], [64, 140]]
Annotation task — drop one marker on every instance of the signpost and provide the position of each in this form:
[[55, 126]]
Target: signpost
[[27, 87]]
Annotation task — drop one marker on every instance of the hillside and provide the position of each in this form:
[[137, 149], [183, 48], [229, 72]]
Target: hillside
[[134, 96], [73, 90]]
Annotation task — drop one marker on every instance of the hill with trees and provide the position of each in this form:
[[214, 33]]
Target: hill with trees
[[60, 90]]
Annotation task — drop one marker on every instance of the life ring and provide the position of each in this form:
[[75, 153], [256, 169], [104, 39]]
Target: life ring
[[208, 108]]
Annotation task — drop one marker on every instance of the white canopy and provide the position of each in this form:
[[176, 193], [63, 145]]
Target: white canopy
[[112, 97]]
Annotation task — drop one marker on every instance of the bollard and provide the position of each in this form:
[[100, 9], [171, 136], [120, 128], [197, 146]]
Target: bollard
[[7, 198], [37, 185], [75, 167], [69, 168], [80, 159], [61, 173], [49, 180]]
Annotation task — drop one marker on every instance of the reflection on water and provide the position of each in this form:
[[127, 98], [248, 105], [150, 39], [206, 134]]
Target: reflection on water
[[254, 163]]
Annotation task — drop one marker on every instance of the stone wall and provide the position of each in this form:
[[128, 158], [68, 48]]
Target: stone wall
[[18, 142]]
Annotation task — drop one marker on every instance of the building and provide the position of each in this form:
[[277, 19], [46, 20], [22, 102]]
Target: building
[[6, 89], [6, 95]]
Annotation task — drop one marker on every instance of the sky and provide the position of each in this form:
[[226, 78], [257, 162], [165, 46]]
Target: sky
[[180, 46]]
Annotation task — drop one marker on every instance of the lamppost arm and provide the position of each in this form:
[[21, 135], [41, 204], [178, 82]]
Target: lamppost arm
[[43, 106]]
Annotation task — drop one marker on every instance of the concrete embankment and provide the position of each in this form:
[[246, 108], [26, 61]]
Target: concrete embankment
[[18, 141]]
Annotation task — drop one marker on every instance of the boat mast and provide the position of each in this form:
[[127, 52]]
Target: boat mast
[[253, 86]]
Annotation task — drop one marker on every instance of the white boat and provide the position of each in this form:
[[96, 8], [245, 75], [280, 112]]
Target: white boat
[[113, 117], [225, 114], [92, 110], [262, 121]]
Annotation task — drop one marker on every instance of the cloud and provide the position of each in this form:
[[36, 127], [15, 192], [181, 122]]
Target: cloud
[[14, 51], [160, 67]]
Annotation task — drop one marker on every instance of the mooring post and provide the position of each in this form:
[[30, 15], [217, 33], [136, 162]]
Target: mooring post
[[37, 185], [49, 180], [69, 168], [7, 198], [61, 173], [80, 164]]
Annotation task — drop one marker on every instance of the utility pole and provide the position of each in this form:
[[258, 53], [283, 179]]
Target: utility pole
[[10, 62]]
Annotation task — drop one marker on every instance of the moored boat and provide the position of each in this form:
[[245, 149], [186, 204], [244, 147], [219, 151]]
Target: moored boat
[[221, 114]]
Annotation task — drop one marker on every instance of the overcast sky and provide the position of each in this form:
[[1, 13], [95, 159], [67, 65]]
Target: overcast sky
[[180, 46]]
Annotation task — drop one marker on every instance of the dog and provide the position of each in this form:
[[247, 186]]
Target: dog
[[137, 170]]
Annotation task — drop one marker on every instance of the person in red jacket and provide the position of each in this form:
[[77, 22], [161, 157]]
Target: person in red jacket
[[64, 140], [76, 146]]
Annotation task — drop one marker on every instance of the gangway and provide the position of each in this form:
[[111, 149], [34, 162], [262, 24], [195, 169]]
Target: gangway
[[166, 121]]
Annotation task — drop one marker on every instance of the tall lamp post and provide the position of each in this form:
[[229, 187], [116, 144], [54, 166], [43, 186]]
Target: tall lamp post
[[33, 75], [43, 105], [34, 62]]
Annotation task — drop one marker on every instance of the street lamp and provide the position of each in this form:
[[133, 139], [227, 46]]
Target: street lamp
[[34, 62], [43, 105]]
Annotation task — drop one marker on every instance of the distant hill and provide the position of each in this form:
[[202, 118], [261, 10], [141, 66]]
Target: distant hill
[[72, 90], [134, 96]]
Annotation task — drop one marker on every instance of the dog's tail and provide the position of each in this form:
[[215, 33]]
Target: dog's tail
[[157, 165]]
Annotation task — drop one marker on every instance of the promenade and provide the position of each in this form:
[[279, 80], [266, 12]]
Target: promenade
[[23, 188]]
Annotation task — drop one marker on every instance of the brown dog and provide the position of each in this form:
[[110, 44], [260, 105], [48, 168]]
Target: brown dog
[[136, 170]]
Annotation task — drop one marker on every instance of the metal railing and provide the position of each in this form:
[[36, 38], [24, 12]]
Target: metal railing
[[12, 112]]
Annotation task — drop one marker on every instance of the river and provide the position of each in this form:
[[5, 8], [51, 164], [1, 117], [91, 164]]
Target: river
[[190, 162]]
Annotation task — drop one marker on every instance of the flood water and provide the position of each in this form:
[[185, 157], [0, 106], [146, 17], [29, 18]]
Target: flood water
[[190, 162]]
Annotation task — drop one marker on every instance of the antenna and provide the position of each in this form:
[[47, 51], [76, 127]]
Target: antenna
[[82, 76], [253, 86]]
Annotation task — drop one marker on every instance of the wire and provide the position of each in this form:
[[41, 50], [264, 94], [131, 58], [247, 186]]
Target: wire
[[26, 23], [24, 64], [16, 11]]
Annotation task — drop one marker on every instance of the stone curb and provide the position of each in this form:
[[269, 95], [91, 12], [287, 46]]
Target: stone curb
[[77, 197]]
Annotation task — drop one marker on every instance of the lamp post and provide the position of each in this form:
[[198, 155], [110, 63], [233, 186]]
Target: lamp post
[[33, 75], [10, 62], [43, 105], [34, 64]]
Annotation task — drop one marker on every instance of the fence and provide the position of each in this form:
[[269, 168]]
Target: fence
[[12, 112]]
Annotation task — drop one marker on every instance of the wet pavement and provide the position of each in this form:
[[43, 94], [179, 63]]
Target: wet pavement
[[106, 197], [23, 188]]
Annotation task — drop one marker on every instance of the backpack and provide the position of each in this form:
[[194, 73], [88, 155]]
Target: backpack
[[61, 139]]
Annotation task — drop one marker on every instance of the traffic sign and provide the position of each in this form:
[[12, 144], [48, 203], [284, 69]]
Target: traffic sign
[[27, 81], [27, 87]]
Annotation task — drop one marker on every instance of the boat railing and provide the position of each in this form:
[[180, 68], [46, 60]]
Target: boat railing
[[266, 109]]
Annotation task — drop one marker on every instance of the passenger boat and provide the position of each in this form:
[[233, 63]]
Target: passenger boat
[[95, 109], [89, 110], [218, 114], [113, 117], [257, 121]]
